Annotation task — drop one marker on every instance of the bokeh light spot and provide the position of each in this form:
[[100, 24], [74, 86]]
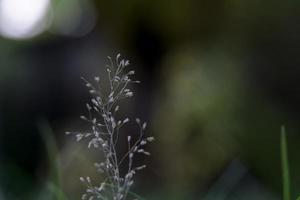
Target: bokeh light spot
[[21, 19]]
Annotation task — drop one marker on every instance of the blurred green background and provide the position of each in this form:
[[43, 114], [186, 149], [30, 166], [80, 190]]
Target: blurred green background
[[219, 78]]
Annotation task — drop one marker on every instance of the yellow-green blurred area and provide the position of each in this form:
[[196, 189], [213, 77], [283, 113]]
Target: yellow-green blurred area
[[218, 79]]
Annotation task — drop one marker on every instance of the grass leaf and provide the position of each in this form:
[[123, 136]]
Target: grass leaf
[[285, 166], [54, 184]]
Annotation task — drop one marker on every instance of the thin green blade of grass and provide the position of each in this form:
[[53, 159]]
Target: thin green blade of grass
[[285, 166], [54, 185]]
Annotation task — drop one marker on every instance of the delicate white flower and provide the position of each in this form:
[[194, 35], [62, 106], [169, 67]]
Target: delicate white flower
[[105, 125]]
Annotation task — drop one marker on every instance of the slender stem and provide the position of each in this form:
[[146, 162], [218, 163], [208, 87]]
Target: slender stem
[[285, 165]]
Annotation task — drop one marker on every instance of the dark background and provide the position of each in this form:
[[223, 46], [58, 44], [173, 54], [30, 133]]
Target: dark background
[[219, 78]]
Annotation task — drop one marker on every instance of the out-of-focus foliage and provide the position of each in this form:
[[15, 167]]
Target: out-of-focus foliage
[[219, 78]]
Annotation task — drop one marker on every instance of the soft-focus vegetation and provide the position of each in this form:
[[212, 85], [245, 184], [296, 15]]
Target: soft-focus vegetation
[[219, 78]]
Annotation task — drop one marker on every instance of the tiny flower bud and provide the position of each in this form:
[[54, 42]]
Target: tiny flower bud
[[126, 63], [126, 120], [88, 106], [150, 139], [144, 125], [83, 117], [141, 167], [138, 120], [97, 79], [131, 73]]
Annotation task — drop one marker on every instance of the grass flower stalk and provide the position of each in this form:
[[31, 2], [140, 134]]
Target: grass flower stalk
[[105, 131]]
